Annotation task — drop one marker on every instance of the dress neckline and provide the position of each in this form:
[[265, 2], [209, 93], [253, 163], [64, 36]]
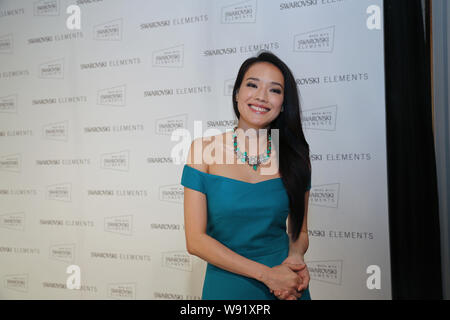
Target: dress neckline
[[235, 180]]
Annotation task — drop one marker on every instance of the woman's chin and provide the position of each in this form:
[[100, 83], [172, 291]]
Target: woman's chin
[[257, 120]]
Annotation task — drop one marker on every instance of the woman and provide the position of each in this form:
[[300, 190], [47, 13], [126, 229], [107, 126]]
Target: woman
[[235, 212]]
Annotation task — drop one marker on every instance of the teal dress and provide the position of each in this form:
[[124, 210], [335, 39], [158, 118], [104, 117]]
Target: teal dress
[[248, 218]]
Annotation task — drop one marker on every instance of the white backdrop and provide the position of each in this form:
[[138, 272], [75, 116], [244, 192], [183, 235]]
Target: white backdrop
[[86, 116]]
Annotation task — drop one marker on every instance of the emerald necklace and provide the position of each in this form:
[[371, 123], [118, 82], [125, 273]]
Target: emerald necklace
[[253, 161]]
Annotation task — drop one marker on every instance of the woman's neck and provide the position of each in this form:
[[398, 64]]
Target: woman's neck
[[253, 135]]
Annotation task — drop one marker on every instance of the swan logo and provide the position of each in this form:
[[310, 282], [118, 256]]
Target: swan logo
[[171, 193], [52, 69], [119, 224], [63, 252], [56, 131], [320, 40], [326, 195], [116, 160], [60, 192], [122, 291], [326, 271], [168, 296], [6, 43], [114, 96], [111, 30], [17, 282], [320, 118], [13, 221], [170, 57], [8, 104], [10, 163], [177, 260], [46, 8], [241, 12], [165, 126]]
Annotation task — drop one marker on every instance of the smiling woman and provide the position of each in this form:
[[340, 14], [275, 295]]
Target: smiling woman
[[235, 213], [262, 91]]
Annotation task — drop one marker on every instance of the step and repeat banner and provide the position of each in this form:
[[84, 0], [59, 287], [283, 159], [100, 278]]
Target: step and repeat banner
[[90, 94]]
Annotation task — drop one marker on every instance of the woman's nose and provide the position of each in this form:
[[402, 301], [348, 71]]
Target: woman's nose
[[261, 94]]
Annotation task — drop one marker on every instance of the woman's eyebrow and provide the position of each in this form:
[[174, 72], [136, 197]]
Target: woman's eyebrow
[[273, 82]]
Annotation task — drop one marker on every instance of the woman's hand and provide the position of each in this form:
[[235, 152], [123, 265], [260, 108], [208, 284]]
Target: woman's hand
[[283, 278], [302, 272]]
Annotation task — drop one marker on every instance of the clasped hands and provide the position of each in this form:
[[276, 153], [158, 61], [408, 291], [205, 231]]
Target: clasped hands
[[288, 280]]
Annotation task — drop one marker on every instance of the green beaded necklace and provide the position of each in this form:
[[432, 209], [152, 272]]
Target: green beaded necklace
[[253, 161]]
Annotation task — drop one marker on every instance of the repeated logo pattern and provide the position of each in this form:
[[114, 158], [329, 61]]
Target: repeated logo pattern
[[87, 172]]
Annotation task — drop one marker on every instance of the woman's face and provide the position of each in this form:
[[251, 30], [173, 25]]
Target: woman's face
[[261, 94]]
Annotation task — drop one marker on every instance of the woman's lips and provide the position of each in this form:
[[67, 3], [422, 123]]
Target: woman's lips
[[258, 109]]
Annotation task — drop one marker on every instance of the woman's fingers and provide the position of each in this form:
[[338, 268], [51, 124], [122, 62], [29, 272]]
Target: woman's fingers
[[303, 286], [296, 267], [286, 295], [305, 282], [297, 283]]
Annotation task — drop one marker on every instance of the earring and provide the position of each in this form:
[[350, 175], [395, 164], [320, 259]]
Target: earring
[[282, 108]]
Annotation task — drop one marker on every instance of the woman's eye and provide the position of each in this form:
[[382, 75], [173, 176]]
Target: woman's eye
[[278, 91], [249, 84]]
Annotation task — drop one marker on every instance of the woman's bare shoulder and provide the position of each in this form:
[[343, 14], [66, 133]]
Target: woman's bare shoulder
[[196, 158]]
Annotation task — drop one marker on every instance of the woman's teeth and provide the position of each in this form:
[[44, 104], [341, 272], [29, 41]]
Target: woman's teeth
[[262, 110]]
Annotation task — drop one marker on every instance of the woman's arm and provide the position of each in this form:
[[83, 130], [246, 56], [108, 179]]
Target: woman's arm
[[300, 246], [297, 252]]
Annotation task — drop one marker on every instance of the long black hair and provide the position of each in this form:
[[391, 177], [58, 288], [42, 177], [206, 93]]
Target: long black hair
[[294, 161]]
